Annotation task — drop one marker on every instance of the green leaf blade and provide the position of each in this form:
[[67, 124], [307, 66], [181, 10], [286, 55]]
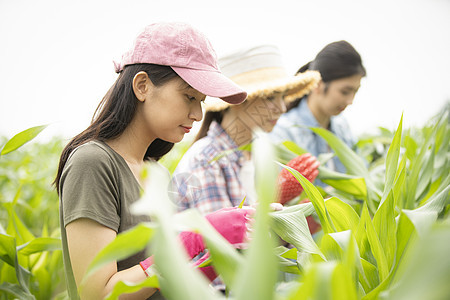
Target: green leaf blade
[[22, 138]]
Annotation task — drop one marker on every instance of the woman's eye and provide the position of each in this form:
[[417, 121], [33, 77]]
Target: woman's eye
[[191, 98]]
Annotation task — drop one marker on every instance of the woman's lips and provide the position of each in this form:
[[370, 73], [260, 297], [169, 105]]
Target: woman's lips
[[273, 122], [186, 129]]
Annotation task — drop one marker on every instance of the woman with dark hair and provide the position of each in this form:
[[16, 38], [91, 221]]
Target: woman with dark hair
[[208, 180], [157, 97], [341, 69]]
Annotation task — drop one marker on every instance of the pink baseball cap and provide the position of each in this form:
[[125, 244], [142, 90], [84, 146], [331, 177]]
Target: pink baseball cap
[[189, 53]]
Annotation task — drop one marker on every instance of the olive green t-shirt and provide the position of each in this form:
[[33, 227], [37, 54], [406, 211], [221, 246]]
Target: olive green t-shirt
[[96, 183]]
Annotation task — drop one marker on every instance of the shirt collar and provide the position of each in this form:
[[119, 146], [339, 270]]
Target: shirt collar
[[303, 111], [224, 141]]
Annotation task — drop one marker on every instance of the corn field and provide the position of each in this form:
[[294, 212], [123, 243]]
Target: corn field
[[385, 224]]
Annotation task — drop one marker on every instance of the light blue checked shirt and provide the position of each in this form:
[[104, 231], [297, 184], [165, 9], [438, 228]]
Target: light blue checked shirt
[[199, 182], [287, 129]]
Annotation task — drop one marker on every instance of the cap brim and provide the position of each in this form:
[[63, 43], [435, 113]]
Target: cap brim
[[213, 84]]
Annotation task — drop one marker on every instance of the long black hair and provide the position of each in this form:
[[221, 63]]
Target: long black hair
[[115, 112], [336, 60]]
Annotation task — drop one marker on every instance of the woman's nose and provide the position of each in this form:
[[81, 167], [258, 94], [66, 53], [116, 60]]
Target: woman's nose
[[350, 99], [196, 112]]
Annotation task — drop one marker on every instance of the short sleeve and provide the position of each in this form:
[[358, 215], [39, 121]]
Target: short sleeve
[[89, 187]]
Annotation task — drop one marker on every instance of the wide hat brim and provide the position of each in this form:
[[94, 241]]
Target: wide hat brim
[[266, 83]]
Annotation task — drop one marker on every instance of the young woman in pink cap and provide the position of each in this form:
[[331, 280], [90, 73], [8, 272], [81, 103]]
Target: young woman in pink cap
[[154, 102]]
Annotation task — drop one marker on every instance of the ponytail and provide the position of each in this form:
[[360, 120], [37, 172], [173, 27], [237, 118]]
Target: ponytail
[[304, 68]]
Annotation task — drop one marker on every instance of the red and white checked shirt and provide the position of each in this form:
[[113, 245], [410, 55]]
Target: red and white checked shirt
[[206, 183]]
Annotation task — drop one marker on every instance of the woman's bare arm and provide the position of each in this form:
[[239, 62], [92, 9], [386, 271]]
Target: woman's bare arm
[[85, 239]]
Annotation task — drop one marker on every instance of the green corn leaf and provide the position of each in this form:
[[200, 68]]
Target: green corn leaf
[[392, 161], [362, 238], [256, 280], [331, 249], [386, 227], [410, 146], [286, 253], [354, 186], [16, 290], [242, 203], [316, 198], [21, 138], [8, 249], [369, 277], [417, 163], [343, 216], [422, 220], [350, 257], [45, 283], [342, 239], [328, 280], [375, 245], [124, 245], [8, 254], [16, 226], [425, 174], [419, 222], [343, 284], [427, 272], [40, 244], [127, 288], [439, 200], [292, 227], [283, 154], [353, 162], [317, 283], [177, 279], [293, 147], [348, 183], [406, 236], [442, 163], [442, 137], [399, 186]]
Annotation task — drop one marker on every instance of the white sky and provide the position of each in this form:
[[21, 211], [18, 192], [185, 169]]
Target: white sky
[[56, 56]]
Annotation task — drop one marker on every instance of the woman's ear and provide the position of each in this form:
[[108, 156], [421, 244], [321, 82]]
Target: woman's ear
[[141, 85], [320, 87]]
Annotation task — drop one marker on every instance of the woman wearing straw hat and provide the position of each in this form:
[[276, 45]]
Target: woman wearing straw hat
[[208, 180], [341, 71]]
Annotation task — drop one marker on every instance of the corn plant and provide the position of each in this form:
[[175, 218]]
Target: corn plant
[[360, 255], [385, 227], [30, 255], [424, 165]]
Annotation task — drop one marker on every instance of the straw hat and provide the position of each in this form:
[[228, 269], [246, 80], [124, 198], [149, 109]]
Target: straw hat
[[260, 72]]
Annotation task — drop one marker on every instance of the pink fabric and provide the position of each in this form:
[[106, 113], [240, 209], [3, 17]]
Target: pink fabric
[[189, 53], [231, 223], [145, 264]]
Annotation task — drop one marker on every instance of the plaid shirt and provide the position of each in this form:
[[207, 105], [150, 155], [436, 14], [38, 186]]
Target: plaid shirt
[[205, 182]]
